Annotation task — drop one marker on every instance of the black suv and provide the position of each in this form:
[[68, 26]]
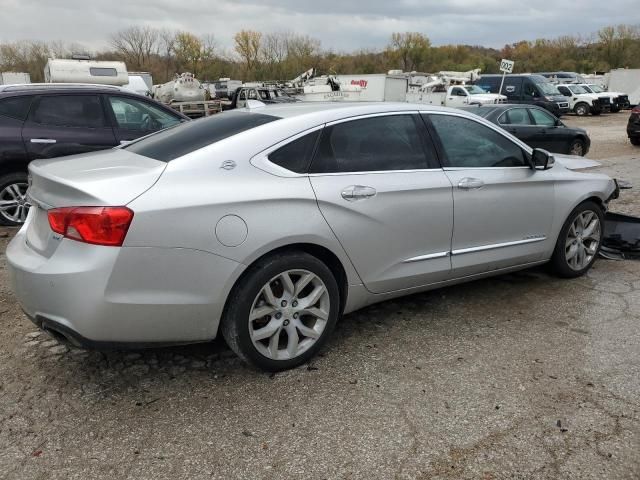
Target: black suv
[[53, 120]]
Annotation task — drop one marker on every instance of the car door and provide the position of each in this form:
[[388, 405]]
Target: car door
[[457, 97], [133, 118], [503, 209], [518, 123], [550, 134], [13, 112], [389, 203], [66, 124]]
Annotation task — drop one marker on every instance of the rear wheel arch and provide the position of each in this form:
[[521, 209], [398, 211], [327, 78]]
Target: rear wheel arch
[[323, 254]]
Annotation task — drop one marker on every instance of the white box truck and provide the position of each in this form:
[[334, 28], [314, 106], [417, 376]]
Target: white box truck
[[625, 80], [378, 87], [14, 78]]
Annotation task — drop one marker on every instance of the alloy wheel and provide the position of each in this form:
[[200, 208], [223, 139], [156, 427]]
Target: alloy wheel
[[577, 148], [14, 205], [289, 314], [583, 240]]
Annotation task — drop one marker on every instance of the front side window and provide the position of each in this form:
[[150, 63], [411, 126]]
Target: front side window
[[70, 111], [515, 116], [16, 107], [564, 91], [132, 114], [459, 92], [296, 156], [392, 142], [469, 144], [542, 118]]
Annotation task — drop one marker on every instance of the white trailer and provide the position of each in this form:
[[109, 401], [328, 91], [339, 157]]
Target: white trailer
[[14, 78], [59, 70], [378, 87], [625, 80]]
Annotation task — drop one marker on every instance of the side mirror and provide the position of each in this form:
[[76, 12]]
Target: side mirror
[[559, 123], [541, 159]]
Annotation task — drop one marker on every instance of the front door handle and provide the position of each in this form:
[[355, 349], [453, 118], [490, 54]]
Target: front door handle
[[469, 183], [353, 193], [43, 140]]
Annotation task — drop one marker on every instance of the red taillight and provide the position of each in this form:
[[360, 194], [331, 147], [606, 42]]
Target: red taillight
[[97, 225]]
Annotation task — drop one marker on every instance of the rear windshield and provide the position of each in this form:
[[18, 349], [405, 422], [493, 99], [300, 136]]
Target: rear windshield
[[188, 137]]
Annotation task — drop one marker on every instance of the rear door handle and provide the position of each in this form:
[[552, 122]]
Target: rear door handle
[[469, 183], [353, 193], [43, 140]]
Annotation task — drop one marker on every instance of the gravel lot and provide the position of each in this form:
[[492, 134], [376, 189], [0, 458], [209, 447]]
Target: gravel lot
[[521, 376]]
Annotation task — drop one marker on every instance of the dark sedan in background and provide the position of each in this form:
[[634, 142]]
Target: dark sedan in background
[[39, 121], [536, 127]]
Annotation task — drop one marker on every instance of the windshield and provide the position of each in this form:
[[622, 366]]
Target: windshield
[[475, 90], [597, 88], [548, 88], [577, 89]]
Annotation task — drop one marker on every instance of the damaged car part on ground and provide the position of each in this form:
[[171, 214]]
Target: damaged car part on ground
[[621, 239], [289, 217]]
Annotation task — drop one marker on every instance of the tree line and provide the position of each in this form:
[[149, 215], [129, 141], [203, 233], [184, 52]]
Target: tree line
[[284, 55]]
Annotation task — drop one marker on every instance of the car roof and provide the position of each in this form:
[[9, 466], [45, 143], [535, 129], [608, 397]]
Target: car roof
[[60, 87]]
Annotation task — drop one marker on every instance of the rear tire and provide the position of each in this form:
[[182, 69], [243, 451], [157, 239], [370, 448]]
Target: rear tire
[[13, 201], [273, 319], [635, 141], [579, 241]]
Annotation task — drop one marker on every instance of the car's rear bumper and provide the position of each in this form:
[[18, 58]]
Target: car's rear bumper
[[115, 296]]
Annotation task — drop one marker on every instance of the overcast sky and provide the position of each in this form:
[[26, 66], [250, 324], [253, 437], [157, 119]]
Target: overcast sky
[[343, 25]]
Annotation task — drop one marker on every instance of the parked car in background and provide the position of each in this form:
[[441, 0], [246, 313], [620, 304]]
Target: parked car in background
[[53, 120], [618, 100], [563, 77], [268, 225], [266, 95], [529, 89], [536, 127], [581, 102], [633, 126]]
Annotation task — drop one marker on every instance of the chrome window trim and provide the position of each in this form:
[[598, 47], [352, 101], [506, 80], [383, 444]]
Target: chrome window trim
[[481, 248], [375, 172], [428, 256]]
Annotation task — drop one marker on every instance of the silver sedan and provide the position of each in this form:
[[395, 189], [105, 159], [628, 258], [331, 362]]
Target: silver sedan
[[268, 224]]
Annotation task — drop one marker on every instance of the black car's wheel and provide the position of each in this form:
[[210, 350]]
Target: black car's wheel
[[577, 147], [282, 311], [581, 109], [579, 241], [13, 199], [635, 141]]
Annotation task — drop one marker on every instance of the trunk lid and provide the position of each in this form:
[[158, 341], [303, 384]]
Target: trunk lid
[[109, 178]]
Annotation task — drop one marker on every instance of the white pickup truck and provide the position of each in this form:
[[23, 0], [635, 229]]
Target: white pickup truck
[[455, 96], [582, 102], [618, 100]]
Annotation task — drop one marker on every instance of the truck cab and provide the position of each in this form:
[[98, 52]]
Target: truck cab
[[618, 100], [462, 95]]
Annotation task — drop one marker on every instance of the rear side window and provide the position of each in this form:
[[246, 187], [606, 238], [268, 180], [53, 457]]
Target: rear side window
[[16, 107], [392, 142], [69, 111], [188, 137], [515, 116], [296, 156]]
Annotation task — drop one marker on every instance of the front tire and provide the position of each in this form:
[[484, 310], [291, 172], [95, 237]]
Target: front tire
[[581, 109], [635, 141], [282, 311], [577, 147], [13, 199], [579, 241]]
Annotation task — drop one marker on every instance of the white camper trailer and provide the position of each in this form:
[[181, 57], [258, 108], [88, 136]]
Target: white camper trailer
[[58, 70]]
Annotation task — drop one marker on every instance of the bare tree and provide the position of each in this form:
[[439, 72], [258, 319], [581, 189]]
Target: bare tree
[[136, 45], [247, 45]]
